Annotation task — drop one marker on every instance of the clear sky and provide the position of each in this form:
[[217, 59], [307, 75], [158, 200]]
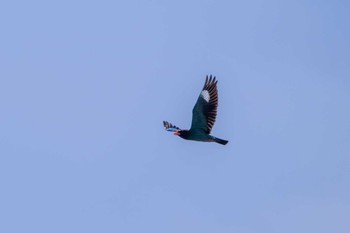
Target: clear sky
[[85, 86]]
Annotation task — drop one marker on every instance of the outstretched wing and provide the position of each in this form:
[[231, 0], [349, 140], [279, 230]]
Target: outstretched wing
[[169, 127], [205, 110]]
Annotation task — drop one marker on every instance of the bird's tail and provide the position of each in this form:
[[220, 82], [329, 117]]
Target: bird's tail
[[221, 141]]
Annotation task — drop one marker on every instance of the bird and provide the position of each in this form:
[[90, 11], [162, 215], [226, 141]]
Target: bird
[[203, 115]]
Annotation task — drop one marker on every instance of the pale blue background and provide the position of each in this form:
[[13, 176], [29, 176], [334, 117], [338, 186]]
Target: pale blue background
[[85, 86]]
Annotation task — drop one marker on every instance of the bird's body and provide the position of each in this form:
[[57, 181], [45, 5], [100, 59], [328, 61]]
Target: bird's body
[[203, 116]]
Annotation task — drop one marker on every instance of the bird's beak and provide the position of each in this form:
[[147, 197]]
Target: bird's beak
[[177, 133]]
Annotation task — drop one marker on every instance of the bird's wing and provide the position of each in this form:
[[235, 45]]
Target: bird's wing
[[170, 127], [205, 110]]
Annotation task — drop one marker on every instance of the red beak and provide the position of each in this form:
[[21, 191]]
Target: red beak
[[177, 133]]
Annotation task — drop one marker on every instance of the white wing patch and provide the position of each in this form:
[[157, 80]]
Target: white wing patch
[[205, 95]]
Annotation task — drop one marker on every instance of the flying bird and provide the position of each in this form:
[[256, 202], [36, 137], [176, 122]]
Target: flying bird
[[203, 116]]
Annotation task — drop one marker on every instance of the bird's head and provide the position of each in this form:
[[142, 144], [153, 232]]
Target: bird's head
[[182, 133]]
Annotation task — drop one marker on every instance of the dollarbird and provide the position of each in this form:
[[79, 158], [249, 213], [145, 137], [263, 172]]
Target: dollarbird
[[203, 116]]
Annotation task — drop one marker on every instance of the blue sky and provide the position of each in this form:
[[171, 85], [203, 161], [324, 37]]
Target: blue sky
[[85, 86]]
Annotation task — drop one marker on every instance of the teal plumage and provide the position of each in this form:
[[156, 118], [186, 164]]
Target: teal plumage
[[203, 115]]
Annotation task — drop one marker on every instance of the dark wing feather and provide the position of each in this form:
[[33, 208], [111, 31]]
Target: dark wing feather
[[205, 111], [170, 127]]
